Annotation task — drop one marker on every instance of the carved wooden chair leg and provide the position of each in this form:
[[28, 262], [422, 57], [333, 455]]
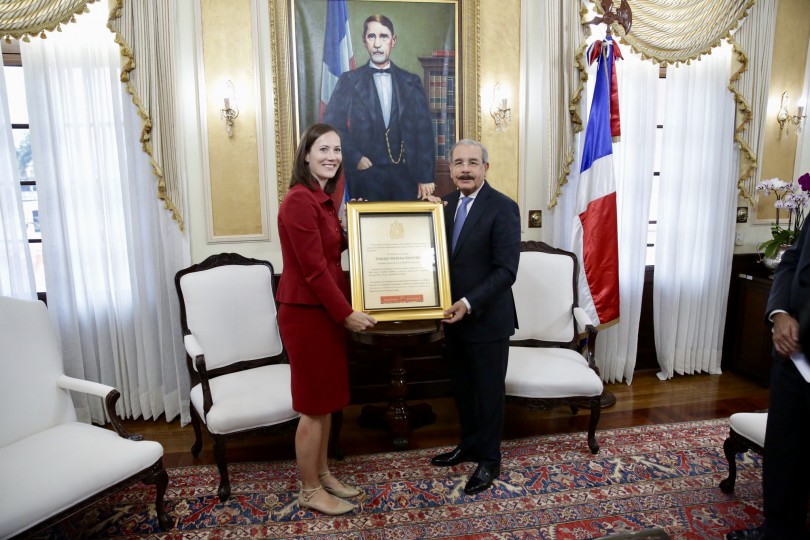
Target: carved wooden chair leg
[[731, 447], [160, 479], [224, 490], [195, 423], [596, 412]]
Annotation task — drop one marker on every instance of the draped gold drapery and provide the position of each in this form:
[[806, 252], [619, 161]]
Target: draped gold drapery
[[143, 31], [566, 122], [23, 19], [146, 24]]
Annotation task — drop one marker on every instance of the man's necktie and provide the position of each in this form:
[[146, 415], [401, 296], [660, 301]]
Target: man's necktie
[[381, 71], [461, 215]]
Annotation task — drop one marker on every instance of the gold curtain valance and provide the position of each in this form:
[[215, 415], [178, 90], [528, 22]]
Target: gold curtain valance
[[675, 31], [21, 19]]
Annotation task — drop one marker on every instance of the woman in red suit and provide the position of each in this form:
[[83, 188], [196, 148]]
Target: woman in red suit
[[313, 310]]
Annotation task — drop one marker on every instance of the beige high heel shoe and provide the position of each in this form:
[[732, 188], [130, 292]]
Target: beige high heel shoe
[[343, 491], [305, 501]]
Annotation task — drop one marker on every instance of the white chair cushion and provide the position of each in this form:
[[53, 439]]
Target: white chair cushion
[[750, 425], [54, 469], [544, 297], [232, 312], [550, 372], [247, 399]]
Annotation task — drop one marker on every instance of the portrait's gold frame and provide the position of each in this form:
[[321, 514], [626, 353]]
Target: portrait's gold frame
[[284, 104], [354, 213]]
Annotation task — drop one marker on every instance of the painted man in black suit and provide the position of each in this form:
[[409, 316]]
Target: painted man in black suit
[[484, 257], [382, 115], [786, 474]]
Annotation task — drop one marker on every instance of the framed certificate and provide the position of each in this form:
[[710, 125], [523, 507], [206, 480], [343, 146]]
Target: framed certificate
[[398, 258]]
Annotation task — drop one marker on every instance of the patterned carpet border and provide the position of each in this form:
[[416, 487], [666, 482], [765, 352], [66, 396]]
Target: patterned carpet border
[[550, 487]]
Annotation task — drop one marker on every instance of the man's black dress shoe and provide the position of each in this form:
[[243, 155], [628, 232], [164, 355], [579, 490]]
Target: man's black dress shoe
[[747, 534], [482, 479], [448, 459]]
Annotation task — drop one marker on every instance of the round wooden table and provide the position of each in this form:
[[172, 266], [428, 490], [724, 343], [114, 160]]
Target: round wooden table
[[397, 337]]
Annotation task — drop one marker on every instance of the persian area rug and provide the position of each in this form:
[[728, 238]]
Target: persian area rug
[[551, 487]]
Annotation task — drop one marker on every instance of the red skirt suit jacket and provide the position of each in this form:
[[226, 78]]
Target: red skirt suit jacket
[[312, 296]]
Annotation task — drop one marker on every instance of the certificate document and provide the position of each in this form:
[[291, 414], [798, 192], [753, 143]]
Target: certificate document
[[398, 260]]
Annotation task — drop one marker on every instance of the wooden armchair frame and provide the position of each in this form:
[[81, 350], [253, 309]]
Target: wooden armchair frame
[[39, 488], [202, 374], [582, 342]]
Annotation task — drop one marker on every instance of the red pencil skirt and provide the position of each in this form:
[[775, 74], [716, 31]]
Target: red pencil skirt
[[316, 348]]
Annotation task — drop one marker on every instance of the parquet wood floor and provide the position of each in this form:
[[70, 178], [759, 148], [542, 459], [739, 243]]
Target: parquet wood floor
[[647, 400]]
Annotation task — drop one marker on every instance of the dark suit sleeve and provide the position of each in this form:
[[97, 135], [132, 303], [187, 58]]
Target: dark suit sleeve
[[780, 297], [337, 114], [505, 250]]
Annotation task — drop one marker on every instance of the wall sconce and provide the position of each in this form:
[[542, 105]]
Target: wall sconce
[[229, 111], [786, 119], [500, 110]]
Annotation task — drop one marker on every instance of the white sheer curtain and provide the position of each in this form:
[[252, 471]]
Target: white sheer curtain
[[633, 162], [110, 251], [695, 236], [16, 270]]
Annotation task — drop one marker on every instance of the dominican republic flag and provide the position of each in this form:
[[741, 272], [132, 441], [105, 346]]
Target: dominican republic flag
[[337, 59], [595, 228]]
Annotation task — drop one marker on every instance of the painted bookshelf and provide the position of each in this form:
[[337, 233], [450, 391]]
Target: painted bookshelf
[[440, 86]]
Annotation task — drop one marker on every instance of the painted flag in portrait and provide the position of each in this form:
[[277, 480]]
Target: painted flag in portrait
[[595, 229], [337, 59]]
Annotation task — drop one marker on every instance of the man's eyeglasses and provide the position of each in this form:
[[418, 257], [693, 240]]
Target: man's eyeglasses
[[473, 163]]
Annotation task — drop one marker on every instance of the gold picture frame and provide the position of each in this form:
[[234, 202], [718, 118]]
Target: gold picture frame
[[287, 129], [398, 260]]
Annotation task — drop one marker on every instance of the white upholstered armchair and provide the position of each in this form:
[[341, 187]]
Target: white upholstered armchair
[[550, 362], [51, 465], [239, 372]]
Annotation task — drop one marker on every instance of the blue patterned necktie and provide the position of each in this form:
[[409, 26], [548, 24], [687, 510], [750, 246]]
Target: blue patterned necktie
[[461, 215]]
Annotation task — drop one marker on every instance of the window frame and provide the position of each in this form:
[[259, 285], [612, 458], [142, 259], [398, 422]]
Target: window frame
[[13, 58]]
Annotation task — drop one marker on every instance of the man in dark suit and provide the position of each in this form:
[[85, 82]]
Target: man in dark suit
[[483, 228], [786, 475], [382, 115]]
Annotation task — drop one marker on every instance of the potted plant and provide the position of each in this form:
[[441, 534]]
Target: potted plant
[[794, 199]]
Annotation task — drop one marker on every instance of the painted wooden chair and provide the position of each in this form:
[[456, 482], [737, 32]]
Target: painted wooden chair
[[549, 363], [51, 465], [746, 432]]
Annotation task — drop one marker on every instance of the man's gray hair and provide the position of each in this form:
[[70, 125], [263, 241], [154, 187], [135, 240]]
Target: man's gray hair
[[471, 142]]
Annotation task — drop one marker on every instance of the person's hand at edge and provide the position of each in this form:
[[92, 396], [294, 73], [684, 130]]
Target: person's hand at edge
[[433, 199], [425, 190], [785, 334], [456, 312], [359, 321]]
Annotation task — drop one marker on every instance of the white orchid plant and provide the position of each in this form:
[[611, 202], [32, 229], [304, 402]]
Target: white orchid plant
[[791, 197]]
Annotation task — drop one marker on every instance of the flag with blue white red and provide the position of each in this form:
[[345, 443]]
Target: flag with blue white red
[[595, 230]]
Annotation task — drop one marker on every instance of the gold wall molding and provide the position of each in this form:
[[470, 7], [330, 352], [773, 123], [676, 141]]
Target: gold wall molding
[[235, 192]]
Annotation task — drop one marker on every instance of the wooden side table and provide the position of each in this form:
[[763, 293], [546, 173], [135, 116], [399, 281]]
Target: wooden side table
[[397, 337]]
